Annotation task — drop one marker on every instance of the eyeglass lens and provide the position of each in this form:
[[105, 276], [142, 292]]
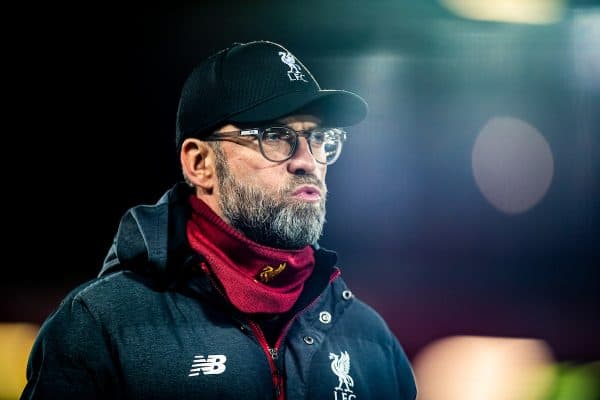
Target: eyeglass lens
[[278, 144]]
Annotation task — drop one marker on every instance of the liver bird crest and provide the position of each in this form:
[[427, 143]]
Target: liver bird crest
[[341, 367], [295, 74], [268, 273]]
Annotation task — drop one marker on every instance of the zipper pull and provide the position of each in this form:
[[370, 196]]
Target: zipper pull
[[274, 353]]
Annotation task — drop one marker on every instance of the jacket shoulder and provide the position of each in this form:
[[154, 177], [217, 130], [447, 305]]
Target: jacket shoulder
[[114, 286], [362, 319], [70, 345], [117, 296]]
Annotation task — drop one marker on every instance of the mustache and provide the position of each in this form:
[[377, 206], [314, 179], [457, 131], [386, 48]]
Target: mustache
[[297, 180]]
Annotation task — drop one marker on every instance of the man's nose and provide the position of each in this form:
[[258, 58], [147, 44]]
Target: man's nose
[[302, 161]]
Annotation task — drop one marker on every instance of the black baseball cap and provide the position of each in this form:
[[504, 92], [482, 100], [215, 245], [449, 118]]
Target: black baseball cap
[[258, 82]]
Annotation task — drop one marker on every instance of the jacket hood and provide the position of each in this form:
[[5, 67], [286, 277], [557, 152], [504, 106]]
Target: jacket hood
[[151, 237]]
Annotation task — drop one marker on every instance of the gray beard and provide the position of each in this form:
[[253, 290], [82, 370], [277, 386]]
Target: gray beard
[[271, 219]]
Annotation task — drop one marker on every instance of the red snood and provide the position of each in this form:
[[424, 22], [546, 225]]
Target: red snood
[[256, 278]]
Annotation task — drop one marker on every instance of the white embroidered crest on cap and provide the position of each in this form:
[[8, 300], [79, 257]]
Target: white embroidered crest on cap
[[295, 73]]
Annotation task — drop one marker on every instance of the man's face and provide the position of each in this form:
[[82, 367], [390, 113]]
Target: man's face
[[276, 204]]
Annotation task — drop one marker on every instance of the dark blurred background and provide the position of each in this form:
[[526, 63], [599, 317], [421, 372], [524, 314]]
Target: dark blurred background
[[466, 203]]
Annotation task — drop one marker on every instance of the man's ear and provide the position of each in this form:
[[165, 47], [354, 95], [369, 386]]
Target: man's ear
[[198, 164]]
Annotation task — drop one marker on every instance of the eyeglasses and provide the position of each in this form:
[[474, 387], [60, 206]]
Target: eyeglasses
[[279, 143]]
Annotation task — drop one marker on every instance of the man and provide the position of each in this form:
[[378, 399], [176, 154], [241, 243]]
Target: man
[[220, 290]]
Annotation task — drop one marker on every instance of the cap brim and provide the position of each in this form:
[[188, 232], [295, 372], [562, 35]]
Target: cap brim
[[338, 108]]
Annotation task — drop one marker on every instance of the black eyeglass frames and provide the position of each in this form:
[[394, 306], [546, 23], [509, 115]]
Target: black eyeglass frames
[[279, 143]]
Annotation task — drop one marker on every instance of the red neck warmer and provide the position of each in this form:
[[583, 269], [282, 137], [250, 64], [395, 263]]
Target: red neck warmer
[[256, 278]]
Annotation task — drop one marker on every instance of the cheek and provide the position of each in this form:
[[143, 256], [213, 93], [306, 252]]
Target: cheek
[[323, 169], [250, 166], [258, 173], [244, 162]]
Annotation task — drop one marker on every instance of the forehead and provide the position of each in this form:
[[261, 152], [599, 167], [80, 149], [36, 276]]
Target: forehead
[[294, 121], [303, 119]]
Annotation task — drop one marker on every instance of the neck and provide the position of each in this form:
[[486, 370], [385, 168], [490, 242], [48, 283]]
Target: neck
[[255, 278]]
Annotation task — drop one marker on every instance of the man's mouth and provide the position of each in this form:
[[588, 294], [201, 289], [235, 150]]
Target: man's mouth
[[307, 193]]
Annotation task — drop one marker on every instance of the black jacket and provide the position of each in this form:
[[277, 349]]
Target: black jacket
[[154, 326]]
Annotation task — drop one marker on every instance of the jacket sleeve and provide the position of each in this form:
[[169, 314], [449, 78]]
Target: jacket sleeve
[[71, 357], [406, 379]]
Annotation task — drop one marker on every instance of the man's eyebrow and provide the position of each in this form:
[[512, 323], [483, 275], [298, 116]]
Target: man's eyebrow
[[287, 124], [301, 118]]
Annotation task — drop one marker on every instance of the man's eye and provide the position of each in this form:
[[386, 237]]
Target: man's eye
[[276, 136], [317, 137], [270, 136]]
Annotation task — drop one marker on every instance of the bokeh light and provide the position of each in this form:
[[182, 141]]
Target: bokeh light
[[16, 340], [586, 52], [514, 11], [490, 368], [578, 382], [512, 164]]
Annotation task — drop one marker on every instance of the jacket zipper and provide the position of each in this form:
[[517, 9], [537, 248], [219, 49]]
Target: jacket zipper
[[272, 356], [272, 353]]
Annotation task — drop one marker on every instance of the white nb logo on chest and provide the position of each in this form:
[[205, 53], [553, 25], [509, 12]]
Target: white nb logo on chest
[[211, 365]]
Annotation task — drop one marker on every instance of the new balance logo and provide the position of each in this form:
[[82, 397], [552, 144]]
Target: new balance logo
[[211, 365]]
